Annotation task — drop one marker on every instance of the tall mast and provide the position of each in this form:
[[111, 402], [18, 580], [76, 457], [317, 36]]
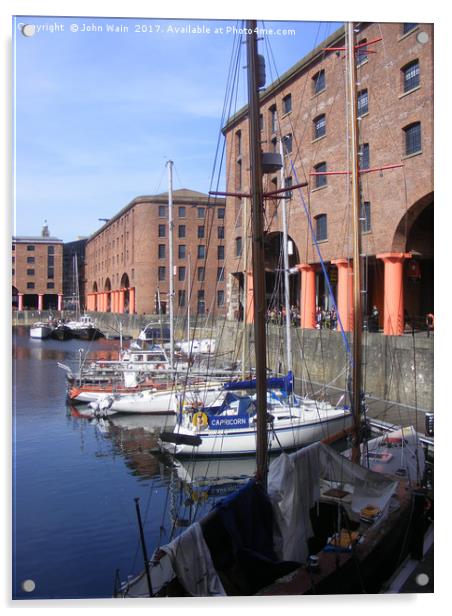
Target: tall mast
[[286, 267], [171, 267], [257, 253], [245, 287], [357, 320]]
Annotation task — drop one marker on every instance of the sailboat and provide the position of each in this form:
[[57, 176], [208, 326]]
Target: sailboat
[[83, 326], [313, 521]]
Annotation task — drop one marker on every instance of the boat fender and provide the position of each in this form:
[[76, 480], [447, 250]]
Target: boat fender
[[200, 420]]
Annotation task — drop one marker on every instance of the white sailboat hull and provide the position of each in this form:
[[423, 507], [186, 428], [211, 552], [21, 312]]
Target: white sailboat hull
[[287, 434]]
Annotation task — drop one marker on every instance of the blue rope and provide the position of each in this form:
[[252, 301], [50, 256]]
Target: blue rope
[[322, 263]]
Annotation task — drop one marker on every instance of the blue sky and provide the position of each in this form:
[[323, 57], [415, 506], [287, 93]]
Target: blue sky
[[98, 113]]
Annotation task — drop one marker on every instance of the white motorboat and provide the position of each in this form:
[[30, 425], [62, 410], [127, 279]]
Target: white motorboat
[[41, 330]]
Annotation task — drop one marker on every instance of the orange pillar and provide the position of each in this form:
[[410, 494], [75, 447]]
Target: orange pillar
[[249, 299], [307, 298], [345, 292], [132, 300], [394, 321], [60, 302], [20, 301], [114, 303], [40, 301], [121, 294]]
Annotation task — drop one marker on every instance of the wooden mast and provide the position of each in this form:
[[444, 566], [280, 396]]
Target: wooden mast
[[257, 253], [356, 226]]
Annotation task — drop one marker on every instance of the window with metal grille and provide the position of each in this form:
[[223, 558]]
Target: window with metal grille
[[321, 230], [319, 126], [319, 82], [320, 180], [411, 76], [363, 103], [413, 142], [364, 156], [365, 217]]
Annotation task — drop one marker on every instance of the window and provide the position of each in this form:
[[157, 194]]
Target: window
[[220, 298], [319, 126], [181, 298], [30, 259], [220, 253], [364, 157], [365, 217], [238, 246], [50, 285], [201, 302], [162, 251], [220, 274], [220, 233], [50, 272], [201, 212], [238, 175], [273, 119], [220, 213], [288, 184], [287, 103], [408, 27], [321, 232], [238, 142], [201, 274], [50, 250], [162, 272], [320, 180], [182, 250], [363, 103], [30, 248], [201, 232], [261, 122], [162, 230], [162, 211], [361, 52], [182, 211], [287, 144], [412, 138], [181, 231], [318, 82], [30, 272], [30, 285], [201, 251], [411, 76], [50, 260], [181, 273]]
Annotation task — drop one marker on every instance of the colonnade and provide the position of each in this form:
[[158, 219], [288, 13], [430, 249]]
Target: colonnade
[[111, 301], [393, 309]]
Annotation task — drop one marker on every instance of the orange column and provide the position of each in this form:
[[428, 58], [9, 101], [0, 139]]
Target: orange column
[[394, 321], [114, 301], [40, 301], [60, 302], [121, 294], [249, 299], [132, 300], [307, 298], [20, 301], [345, 292]]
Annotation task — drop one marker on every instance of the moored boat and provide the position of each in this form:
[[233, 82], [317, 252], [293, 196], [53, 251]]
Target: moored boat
[[41, 330]]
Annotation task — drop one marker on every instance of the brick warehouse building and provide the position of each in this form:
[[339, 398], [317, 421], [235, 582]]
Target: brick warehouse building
[[127, 260], [37, 272], [306, 108]]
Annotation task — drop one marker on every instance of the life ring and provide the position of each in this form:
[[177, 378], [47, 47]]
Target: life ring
[[200, 420]]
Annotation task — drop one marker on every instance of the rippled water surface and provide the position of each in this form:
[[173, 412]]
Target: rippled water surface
[[75, 481]]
